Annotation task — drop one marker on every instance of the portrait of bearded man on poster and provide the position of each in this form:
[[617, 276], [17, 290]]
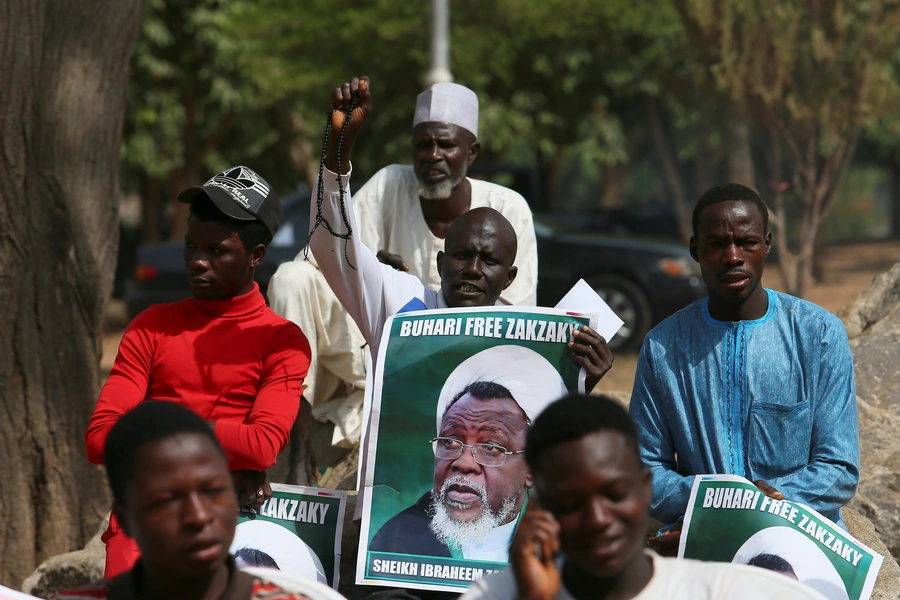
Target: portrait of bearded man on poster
[[481, 481]]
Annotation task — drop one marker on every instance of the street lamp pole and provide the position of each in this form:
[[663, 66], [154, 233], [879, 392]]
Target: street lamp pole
[[440, 43]]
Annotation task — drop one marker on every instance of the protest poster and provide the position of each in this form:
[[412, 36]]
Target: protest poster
[[297, 531], [730, 520], [440, 523]]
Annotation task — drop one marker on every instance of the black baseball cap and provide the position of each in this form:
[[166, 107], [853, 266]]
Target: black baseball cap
[[242, 194]]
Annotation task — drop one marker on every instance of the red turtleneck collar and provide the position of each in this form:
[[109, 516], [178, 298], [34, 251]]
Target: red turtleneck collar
[[238, 306]]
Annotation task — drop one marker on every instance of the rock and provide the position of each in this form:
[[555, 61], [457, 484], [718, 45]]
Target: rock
[[887, 585], [873, 325], [876, 361], [873, 303], [878, 496], [342, 475], [70, 570]]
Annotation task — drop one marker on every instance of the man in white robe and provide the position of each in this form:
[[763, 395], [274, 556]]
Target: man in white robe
[[403, 214]]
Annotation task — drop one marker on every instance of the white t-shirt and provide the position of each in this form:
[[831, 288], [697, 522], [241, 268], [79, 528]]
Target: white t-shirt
[[676, 579]]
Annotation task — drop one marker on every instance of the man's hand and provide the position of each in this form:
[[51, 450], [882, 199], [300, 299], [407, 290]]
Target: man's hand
[[252, 488], [341, 98], [531, 555], [394, 261], [768, 490], [667, 543], [591, 352]]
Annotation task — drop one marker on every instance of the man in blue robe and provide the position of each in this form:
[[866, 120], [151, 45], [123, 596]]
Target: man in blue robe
[[747, 381]]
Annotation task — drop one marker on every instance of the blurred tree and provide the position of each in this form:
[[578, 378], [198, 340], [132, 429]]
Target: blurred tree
[[559, 81], [193, 110], [883, 135], [811, 75], [539, 68], [65, 75]]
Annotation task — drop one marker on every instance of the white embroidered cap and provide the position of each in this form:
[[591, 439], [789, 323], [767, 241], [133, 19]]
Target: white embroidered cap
[[530, 378], [448, 103], [290, 553]]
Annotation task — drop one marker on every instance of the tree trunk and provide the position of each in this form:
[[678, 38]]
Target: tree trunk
[[895, 200], [194, 155], [613, 186], [180, 179], [670, 170], [150, 209], [61, 111], [301, 151], [740, 157]]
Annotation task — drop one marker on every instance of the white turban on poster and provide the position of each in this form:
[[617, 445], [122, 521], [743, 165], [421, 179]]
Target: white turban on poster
[[448, 103], [532, 381], [810, 564], [290, 553]]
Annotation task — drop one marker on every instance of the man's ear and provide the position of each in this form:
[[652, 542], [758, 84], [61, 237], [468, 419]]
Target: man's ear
[[511, 276], [474, 147], [257, 255], [693, 246], [529, 480], [440, 260], [119, 512], [768, 242]]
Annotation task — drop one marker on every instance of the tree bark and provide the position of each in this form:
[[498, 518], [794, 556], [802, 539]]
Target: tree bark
[[61, 111]]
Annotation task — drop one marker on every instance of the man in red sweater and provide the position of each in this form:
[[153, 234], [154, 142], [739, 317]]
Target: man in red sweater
[[223, 353]]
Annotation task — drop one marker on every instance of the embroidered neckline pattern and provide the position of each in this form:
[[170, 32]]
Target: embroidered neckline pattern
[[741, 385], [728, 398]]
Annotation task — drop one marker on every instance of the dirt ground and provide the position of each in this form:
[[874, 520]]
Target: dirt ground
[[848, 270]]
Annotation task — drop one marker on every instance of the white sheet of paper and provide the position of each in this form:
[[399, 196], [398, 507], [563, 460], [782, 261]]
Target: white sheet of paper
[[583, 298]]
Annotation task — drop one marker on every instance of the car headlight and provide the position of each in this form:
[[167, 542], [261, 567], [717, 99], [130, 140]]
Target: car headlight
[[679, 267]]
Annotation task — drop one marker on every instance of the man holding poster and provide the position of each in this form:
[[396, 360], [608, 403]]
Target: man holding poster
[[586, 540], [748, 381], [476, 266], [446, 481]]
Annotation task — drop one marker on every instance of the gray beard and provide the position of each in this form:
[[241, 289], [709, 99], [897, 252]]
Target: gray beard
[[459, 534], [442, 190]]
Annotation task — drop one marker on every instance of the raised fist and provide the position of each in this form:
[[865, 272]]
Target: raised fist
[[341, 99]]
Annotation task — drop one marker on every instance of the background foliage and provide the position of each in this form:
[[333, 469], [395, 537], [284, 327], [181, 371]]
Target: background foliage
[[614, 103]]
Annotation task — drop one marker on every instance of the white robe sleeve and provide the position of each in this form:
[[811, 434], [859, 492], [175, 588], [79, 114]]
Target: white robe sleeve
[[369, 206], [368, 290], [523, 291]]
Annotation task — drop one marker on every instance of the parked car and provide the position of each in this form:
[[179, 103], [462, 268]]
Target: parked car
[[632, 256], [643, 280]]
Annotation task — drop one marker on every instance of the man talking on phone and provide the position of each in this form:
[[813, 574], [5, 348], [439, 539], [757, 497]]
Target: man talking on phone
[[587, 539]]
